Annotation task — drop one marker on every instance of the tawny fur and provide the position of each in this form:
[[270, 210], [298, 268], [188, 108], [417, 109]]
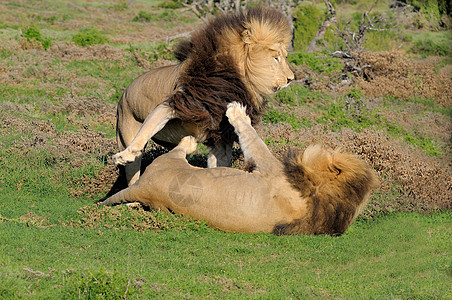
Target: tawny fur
[[318, 191]]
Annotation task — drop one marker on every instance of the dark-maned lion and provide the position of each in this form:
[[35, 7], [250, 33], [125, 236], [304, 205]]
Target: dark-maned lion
[[315, 192], [236, 57]]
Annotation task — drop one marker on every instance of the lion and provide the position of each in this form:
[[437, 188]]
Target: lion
[[236, 57], [320, 191]]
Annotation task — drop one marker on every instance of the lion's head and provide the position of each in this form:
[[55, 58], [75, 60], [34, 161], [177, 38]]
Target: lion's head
[[237, 57], [258, 45]]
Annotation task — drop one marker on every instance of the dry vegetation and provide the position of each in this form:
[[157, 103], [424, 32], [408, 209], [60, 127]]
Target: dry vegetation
[[393, 74]]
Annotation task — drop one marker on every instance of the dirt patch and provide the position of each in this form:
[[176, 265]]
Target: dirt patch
[[69, 51], [31, 219]]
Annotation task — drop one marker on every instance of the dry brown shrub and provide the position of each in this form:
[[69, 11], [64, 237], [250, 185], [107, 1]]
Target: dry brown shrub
[[27, 44], [73, 104], [123, 217], [102, 182], [392, 74], [34, 220], [43, 135]]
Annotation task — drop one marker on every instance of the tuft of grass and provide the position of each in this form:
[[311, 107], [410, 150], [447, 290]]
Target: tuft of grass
[[170, 4], [315, 62], [144, 16], [99, 284], [274, 117], [89, 36], [429, 47], [350, 111], [33, 33], [297, 94], [166, 16], [120, 5]]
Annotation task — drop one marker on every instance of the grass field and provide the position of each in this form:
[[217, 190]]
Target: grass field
[[397, 256], [57, 125]]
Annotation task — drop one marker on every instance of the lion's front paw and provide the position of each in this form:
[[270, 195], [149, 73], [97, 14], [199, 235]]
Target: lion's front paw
[[235, 112], [189, 144], [125, 157]]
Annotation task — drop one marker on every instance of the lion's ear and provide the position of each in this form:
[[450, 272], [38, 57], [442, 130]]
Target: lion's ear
[[247, 37]]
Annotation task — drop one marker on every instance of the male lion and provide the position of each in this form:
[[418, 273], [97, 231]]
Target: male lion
[[315, 192], [237, 57]]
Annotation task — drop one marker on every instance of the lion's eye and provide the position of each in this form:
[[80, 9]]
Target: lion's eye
[[277, 59]]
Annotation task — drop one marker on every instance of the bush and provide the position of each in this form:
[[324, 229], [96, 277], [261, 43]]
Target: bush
[[143, 16], [170, 4], [307, 20], [432, 10], [32, 33], [89, 36]]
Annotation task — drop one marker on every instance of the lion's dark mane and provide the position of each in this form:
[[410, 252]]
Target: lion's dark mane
[[328, 212], [210, 81]]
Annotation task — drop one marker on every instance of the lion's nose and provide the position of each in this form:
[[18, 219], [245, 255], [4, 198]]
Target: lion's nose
[[290, 77]]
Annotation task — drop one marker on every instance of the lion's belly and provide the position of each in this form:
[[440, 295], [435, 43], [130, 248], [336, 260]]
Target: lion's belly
[[175, 130]]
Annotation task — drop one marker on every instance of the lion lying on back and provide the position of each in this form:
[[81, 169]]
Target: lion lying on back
[[236, 57], [315, 192]]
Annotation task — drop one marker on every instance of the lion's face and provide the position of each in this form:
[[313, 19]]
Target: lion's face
[[266, 68]]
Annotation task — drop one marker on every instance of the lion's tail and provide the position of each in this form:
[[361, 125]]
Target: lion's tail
[[336, 186]]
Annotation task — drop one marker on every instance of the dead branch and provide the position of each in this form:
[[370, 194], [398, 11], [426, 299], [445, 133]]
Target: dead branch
[[354, 41], [177, 36]]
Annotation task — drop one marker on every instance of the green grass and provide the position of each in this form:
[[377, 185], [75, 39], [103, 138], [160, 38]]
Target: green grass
[[89, 36], [33, 33], [404, 255], [316, 62], [297, 94], [431, 43], [55, 246], [273, 116], [351, 111]]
